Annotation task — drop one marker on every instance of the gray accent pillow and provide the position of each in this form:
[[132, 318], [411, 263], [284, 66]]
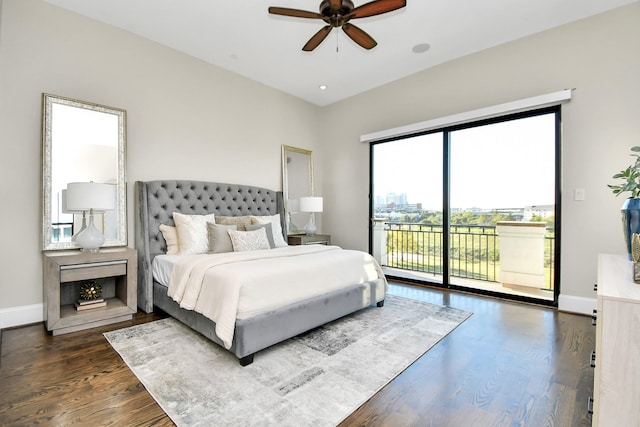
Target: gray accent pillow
[[267, 228], [274, 220], [219, 240]]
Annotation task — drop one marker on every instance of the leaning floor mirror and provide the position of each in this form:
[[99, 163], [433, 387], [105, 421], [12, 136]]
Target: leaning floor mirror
[[82, 142], [297, 181]]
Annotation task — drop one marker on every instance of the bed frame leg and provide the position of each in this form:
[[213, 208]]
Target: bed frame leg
[[380, 303], [247, 360]]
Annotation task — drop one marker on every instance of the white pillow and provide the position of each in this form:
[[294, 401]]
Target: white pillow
[[276, 228], [193, 236], [171, 237], [219, 240], [267, 228], [249, 240]]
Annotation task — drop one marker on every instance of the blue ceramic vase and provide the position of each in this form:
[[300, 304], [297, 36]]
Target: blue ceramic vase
[[630, 220]]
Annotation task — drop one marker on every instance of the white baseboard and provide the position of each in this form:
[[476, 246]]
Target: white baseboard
[[17, 316], [575, 304]]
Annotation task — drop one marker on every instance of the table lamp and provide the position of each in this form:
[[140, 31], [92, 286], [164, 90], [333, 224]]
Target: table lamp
[[311, 205], [92, 197]]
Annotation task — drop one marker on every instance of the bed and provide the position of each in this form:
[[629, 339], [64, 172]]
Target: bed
[[252, 329]]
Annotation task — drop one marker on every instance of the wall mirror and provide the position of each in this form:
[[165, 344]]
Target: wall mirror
[[297, 181], [81, 142]]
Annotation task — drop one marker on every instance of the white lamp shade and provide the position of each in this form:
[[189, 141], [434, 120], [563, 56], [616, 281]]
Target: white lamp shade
[[310, 204], [83, 196], [64, 208]]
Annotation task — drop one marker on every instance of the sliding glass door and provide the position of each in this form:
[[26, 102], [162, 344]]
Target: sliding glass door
[[472, 207], [407, 204]]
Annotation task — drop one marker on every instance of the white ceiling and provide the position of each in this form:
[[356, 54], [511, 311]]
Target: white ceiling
[[240, 36]]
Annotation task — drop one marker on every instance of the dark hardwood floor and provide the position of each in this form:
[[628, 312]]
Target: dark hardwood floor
[[509, 364]]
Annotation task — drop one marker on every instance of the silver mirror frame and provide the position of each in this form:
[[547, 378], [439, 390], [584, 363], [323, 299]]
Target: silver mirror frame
[[121, 193], [286, 176]]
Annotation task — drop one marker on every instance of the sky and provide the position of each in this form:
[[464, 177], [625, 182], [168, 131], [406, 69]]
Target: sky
[[504, 165]]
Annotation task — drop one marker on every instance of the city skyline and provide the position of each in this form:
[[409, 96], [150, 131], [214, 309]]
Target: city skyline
[[383, 200]]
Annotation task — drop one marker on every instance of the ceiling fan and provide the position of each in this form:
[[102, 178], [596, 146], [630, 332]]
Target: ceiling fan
[[338, 13]]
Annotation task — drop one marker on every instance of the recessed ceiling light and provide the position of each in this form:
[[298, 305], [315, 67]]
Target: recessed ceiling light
[[322, 87], [421, 48]]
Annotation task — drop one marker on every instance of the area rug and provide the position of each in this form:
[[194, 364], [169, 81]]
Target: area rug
[[315, 379]]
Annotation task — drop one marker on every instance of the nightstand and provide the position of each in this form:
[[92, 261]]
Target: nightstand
[[65, 272], [303, 239]]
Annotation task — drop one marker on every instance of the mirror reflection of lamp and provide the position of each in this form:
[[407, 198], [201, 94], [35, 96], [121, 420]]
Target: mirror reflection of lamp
[[311, 205], [92, 197], [293, 207], [66, 210]]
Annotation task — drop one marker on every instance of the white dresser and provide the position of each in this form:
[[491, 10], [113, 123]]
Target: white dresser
[[616, 391]]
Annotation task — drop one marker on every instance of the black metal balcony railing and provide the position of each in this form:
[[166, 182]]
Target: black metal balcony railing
[[475, 252]]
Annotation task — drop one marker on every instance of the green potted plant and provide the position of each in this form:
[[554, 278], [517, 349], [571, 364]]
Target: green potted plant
[[631, 207]]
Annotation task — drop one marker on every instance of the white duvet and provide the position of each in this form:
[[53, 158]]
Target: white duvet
[[237, 285]]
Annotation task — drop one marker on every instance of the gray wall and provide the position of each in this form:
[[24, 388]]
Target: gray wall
[[599, 57], [188, 119]]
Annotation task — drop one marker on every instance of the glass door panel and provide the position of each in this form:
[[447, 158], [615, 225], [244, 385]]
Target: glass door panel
[[407, 204], [502, 206]]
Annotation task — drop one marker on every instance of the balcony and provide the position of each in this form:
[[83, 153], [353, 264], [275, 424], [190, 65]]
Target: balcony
[[414, 251]]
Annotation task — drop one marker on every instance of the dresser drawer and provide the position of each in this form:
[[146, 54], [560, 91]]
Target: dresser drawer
[[72, 273]]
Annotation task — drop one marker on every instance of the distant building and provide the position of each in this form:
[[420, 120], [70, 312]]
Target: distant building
[[397, 199], [543, 211], [395, 202]]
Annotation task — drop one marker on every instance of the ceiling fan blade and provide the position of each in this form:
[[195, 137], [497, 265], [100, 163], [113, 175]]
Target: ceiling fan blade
[[359, 36], [317, 38], [376, 7], [296, 13]]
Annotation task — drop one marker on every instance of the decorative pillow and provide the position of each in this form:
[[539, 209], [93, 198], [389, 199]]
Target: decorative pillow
[[193, 237], [239, 221], [219, 240], [249, 240], [276, 228], [267, 229], [171, 237]]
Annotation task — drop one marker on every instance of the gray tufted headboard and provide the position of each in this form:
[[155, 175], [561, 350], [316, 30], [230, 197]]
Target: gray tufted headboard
[[157, 200]]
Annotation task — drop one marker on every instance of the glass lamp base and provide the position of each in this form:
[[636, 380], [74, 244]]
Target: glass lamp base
[[91, 238], [311, 228]]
